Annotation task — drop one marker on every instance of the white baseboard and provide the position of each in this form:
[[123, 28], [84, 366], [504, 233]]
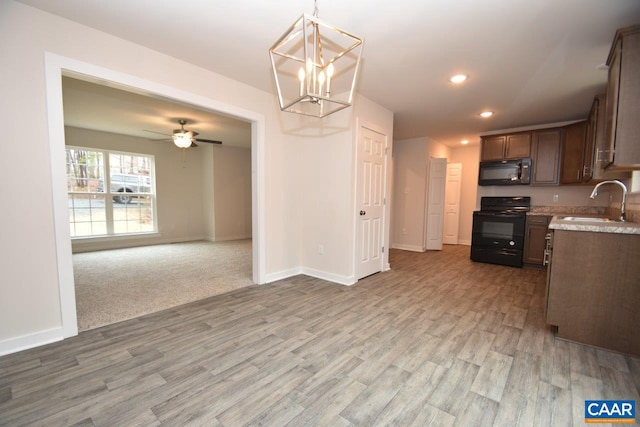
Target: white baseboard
[[335, 278], [464, 242], [25, 342], [312, 272], [238, 237], [408, 247], [284, 274]]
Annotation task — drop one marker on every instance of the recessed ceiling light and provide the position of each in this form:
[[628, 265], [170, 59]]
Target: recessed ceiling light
[[458, 78], [464, 142], [486, 114]]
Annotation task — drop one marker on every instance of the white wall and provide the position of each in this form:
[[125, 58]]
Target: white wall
[[411, 162], [30, 307], [232, 192], [326, 197]]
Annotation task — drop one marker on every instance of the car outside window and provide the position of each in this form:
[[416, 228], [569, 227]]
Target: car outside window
[[129, 205]]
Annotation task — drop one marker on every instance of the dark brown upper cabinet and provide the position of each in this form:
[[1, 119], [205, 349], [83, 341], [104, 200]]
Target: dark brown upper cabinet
[[545, 152], [622, 117], [511, 146], [572, 165]]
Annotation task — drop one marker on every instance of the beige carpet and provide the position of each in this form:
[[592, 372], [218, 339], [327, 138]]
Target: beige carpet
[[121, 284]]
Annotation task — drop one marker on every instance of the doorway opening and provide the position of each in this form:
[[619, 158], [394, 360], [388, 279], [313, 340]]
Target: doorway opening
[[57, 67]]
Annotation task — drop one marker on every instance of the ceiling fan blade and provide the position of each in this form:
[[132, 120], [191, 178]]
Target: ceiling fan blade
[[161, 139], [210, 141], [153, 131]]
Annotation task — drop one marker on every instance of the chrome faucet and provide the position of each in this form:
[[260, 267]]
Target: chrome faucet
[[594, 193]]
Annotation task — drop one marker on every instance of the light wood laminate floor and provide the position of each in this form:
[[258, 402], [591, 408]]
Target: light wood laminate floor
[[439, 340]]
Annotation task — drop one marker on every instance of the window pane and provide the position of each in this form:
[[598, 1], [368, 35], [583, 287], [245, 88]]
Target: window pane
[[85, 170], [87, 216], [127, 190], [134, 217], [130, 173]]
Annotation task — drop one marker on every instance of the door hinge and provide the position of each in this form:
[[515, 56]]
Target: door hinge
[[383, 249], [384, 200]]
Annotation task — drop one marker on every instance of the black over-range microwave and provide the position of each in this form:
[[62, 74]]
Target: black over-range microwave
[[505, 172]]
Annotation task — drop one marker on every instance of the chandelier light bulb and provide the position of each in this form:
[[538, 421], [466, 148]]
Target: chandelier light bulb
[[301, 77], [330, 71], [321, 79]]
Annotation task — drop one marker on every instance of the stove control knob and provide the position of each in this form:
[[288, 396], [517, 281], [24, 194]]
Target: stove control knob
[[512, 243]]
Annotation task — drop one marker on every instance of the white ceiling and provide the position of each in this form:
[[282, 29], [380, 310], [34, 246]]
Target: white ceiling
[[530, 61], [108, 109]]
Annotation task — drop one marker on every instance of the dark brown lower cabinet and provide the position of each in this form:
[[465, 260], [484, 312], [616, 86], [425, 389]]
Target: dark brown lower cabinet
[[592, 292], [534, 240]]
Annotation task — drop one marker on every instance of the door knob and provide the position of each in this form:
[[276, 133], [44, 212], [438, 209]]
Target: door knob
[[362, 213]]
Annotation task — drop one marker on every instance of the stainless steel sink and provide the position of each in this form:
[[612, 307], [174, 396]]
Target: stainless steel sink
[[585, 219]]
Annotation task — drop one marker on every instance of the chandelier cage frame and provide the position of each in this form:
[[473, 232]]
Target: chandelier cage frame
[[315, 65]]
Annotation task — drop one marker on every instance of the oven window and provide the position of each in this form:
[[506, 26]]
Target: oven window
[[497, 230]]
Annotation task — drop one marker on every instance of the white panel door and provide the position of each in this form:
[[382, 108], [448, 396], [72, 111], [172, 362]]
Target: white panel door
[[452, 204], [435, 203], [370, 201]]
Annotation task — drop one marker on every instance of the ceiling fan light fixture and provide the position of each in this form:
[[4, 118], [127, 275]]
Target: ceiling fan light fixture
[[458, 78], [182, 139], [315, 66]]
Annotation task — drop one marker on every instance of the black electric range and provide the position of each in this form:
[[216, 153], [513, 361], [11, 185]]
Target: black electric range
[[498, 230]]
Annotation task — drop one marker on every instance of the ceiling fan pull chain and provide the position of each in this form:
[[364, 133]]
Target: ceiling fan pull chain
[[315, 8]]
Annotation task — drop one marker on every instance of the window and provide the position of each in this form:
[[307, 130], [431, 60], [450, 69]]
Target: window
[[115, 203]]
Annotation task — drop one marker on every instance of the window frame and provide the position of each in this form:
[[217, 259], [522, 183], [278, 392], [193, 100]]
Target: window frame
[[109, 195]]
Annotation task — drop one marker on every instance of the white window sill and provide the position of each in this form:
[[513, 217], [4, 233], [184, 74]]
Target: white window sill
[[115, 238]]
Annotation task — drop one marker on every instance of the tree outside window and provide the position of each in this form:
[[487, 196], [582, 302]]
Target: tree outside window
[[117, 203]]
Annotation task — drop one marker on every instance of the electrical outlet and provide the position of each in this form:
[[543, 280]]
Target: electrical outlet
[[555, 198], [321, 249]]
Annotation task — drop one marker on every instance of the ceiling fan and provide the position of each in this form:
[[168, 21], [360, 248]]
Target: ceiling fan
[[185, 138]]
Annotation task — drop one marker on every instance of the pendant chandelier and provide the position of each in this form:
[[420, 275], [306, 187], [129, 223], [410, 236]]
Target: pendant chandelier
[[315, 65]]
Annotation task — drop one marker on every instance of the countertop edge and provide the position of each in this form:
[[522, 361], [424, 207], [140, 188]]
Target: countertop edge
[[616, 227]]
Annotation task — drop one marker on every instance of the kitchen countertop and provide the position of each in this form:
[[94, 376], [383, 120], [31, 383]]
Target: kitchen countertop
[[567, 210], [617, 227]]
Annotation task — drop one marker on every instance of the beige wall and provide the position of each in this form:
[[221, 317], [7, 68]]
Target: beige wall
[[302, 171], [411, 163], [568, 195], [180, 188], [232, 192], [202, 194]]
